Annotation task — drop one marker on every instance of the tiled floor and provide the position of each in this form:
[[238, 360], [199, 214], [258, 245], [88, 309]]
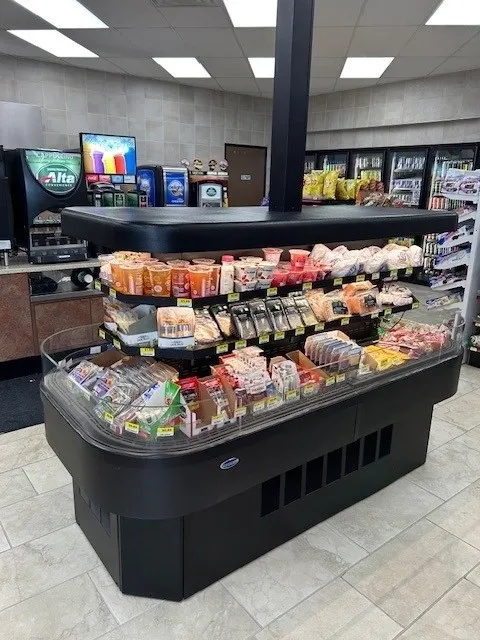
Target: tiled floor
[[405, 563]]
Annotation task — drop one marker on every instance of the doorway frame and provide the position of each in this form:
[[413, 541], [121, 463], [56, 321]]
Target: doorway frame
[[252, 146]]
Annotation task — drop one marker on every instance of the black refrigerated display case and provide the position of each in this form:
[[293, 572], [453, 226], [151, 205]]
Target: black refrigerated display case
[[367, 164], [333, 161], [405, 175], [443, 158]]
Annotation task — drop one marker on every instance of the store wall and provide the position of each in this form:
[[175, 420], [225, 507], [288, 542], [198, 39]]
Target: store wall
[[434, 110], [170, 121]]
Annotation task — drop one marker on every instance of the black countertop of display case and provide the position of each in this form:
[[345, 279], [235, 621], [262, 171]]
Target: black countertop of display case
[[163, 229]]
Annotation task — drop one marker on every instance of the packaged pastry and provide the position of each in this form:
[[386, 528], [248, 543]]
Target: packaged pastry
[[206, 330], [222, 315], [242, 321], [333, 307], [317, 181], [260, 317], [175, 322], [353, 288], [276, 314], [306, 313], [363, 302], [293, 316]]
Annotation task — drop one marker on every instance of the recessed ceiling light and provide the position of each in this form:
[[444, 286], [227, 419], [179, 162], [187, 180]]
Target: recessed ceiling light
[[456, 12], [263, 67], [365, 67], [63, 14], [54, 42], [183, 67], [252, 13]]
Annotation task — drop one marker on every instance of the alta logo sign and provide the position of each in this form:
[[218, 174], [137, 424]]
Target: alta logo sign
[[57, 178]]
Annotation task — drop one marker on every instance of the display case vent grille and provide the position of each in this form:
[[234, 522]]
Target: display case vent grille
[[320, 472]]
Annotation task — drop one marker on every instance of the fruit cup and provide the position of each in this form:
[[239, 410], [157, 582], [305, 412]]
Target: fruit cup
[[298, 258], [180, 278], [117, 275], [272, 254], [199, 280], [132, 278], [161, 279]]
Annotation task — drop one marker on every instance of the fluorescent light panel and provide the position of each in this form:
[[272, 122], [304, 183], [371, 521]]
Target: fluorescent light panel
[[263, 67], [456, 12], [252, 13], [365, 67], [54, 42], [63, 14], [183, 67]]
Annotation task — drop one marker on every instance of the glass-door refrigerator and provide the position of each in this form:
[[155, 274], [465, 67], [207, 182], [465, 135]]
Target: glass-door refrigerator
[[367, 164], [445, 158], [333, 161], [406, 175], [310, 161]]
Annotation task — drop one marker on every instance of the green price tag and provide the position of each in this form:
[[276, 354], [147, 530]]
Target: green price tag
[[300, 331], [112, 293], [264, 339], [344, 321], [98, 285], [240, 344], [116, 343], [337, 282], [184, 302], [147, 351], [222, 348], [319, 327], [233, 297], [375, 276], [360, 278], [272, 291], [279, 335], [307, 286], [101, 333]]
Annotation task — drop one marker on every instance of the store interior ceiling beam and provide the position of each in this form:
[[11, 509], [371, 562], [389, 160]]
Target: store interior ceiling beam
[[293, 54]]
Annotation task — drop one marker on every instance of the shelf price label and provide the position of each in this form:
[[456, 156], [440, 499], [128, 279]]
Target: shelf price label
[[360, 278], [98, 285], [293, 394], [163, 432], [394, 273], [388, 311], [147, 351], [217, 420], [131, 427], [240, 412], [415, 305], [300, 331], [307, 286], [272, 401], [101, 333], [222, 348], [264, 339], [240, 344], [116, 343], [308, 389], [344, 322], [279, 335], [258, 406], [337, 282], [233, 297], [184, 302], [112, 293], [319, 327], [374, 315], [408, 271], [272, 291], [341, 377], [375, 276], [330, 381], [109, 417]]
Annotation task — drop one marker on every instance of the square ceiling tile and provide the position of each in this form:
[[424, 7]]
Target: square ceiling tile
[[257, 42], [452, 65], [472, 48], [395, 12], [155, 43], [205, 83], [372, 41], [321, 85], [104, 42], [337, 13], [238, 85], [331, 43], [143, 67], [326, 67], [438, 41], [211, 42], [403, 67], [344, 84], [137, 13], [13, 46], [227, 67], [265, 84], [98, 64], [13, 16], [196, 17]]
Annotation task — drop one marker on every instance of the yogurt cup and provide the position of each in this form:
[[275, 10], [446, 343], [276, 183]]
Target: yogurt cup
[[279, 278], [244, 286], [272, 254], [245, 271], [265, 270]]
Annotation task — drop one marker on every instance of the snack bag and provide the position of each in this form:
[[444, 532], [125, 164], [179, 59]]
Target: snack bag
[[307, 186], [330, 185], [342, 193], [317, 184], [351, 186]]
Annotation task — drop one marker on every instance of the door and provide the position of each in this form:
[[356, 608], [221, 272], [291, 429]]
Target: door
[[445, 158], [367, 165], [334, 161], [407, 175], [246, 174]]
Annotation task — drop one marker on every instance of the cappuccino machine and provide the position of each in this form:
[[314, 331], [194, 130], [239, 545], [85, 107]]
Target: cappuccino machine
[[42, 183]]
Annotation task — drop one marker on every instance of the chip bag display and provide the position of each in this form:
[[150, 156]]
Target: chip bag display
[[330, 185]]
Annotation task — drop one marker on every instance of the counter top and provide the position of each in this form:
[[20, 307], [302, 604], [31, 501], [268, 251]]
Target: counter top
[[164, 229], [20, 264]]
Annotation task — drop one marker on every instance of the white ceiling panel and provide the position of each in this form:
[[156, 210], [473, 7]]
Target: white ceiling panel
[[458, 64], [104, 42], [238, 85], [344, 84], [197, 17], [257, 42], [13, 16], [122, 13], [372, 41], [322, 85], [211, 42], [145, 67], [265, 84], [13, 46], [337, 13], [156, 43], [397, 12], [227, 67], [331, 43], [438, 41], [326, 67], [472, 48], [413, 67], [98, 64], [205, 83]]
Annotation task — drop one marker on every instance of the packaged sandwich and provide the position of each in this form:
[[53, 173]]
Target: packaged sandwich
[[206, 329], [333, 307], [293, 316], [306, 313], [276, 314], [363, 302], [260, 317], [222, 315], [242, 320]]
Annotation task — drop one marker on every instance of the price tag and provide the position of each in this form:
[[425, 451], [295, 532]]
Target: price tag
[[163, 432], [344, 321], [394, 273], [264, 339], [308, 389], [258, 406], [300, 331], [184, 302], [292, 394], [375, 276], [147, 351], [272, 401], [415, 305], [131, 427], [329, 382], [272, 291], [307, 286], [233, 297], [240, 412], [319, 327], [222, 348], [101, 333], [217, 420], [341, 377], [98, 285], [279, 335], [112, 293], [408, 271], [116, 343], [109, 417], [388, 312], [374, 315], [337, 282], [360, 278], [240, 344]]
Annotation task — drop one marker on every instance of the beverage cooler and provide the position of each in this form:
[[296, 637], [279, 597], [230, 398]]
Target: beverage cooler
[[406, 175], [334, 161], [310, 162], [442, 159]]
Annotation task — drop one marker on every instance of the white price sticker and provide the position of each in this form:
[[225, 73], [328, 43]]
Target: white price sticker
[[337, 282], [101, 333], [341, 377], [319, 327], [329, 382], [258, 406], [360, 278], [345, 321], [240, 412], [264, 339], [116, 343], [375, 276]]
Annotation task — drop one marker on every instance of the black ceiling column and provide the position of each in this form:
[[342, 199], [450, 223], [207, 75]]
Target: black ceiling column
[[293, 54]]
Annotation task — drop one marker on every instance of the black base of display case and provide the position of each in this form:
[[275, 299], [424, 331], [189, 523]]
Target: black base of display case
[[167, 527]]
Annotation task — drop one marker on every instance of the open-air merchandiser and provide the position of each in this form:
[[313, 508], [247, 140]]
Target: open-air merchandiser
[[190, 462]]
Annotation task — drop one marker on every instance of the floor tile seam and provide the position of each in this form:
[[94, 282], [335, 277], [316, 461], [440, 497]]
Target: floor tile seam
[[453, 494], [2, 529], [462, 435], [477, 566], [31, 497], [454, 424], [451, 532], [260, 627], [64, 526], [60, 486], [21, 466], [4, 433], [372, 603]]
